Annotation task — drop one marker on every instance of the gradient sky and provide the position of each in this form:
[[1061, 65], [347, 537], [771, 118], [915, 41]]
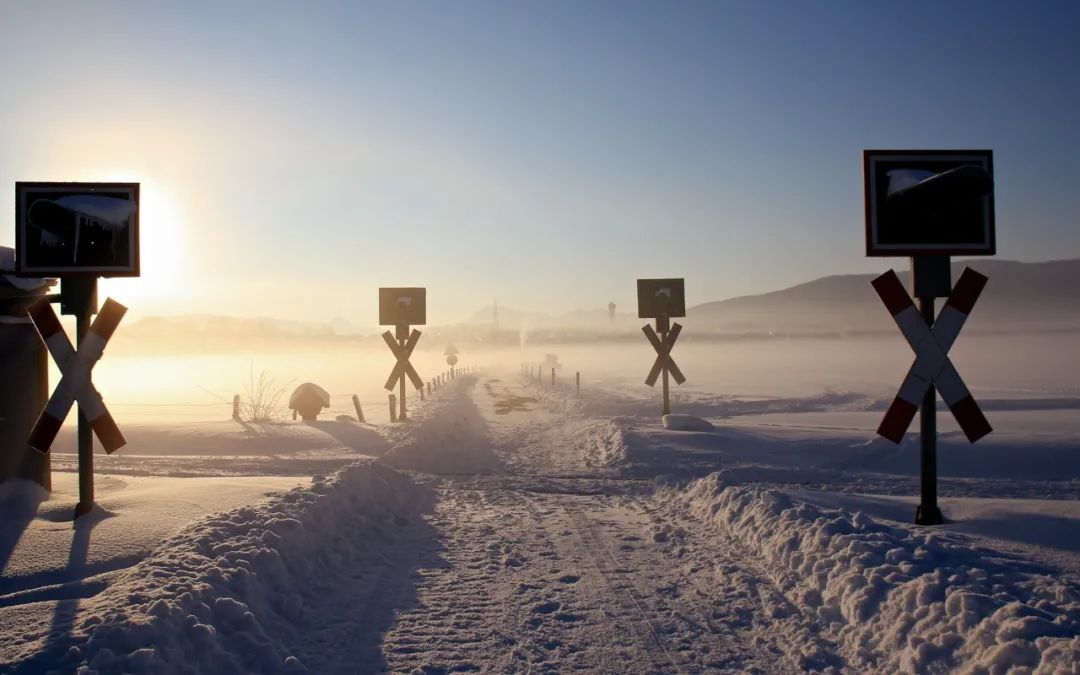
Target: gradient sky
[[296, 156]]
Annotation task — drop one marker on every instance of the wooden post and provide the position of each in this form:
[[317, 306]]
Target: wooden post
[[421, 390], [577, 379], [359, 411], [393, 408], [553, 377], [236, 407], [429, 388]]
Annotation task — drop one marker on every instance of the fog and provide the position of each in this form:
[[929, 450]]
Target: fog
[[142, 387]]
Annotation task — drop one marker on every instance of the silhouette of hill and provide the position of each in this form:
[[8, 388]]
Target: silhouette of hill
[[1018, 297]]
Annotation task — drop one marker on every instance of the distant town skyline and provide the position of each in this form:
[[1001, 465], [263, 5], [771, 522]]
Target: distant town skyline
[[295, 158]]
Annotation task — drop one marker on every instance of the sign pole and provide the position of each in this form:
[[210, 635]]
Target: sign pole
[[928, 512], [931, 277], [663, 327], [401, 341], [78, 296], [85, 436]]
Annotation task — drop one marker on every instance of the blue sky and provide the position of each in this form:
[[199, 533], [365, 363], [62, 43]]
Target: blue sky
[[296, 156]]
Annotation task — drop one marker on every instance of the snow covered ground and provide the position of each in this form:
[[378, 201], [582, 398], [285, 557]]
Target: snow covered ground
[[512, 526]]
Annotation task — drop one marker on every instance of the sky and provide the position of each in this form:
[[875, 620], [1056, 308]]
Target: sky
[[296, 156]]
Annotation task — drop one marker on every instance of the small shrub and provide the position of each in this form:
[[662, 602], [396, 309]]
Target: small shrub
[[263, 398]]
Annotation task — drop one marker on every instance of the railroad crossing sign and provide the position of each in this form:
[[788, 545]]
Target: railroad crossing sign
[[402, 368], [401, 307], [931, 346], [84, 228], [930, 204], [75, 383], [937, 202], [662, 299]]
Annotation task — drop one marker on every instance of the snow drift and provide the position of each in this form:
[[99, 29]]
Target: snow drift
[[223, 595], [899, 599], [456, 443], [680, 422]]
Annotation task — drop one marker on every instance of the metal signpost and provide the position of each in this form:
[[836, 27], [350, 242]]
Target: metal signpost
[[662, 299], [401, 308], [77, 232], [930, 205]]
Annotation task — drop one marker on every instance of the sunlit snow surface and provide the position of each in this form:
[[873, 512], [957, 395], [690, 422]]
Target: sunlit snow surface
[[513, 526]]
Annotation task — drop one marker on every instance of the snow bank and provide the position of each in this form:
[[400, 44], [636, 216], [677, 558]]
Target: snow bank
[[448, 434], [678, 422], [220, 596], [608, 443], [900, 599]]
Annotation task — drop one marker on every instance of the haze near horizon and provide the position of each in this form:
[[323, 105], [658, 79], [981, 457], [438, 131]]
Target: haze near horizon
[[294, 159]]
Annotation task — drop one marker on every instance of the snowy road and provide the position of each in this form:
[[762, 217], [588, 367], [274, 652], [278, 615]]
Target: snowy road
[[512, 528], [545, 565]]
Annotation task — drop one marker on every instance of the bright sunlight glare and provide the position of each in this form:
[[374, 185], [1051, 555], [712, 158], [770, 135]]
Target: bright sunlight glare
[[162, 233]]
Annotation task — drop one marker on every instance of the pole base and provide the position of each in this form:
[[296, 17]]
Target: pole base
[[928, 515], [82, 508]]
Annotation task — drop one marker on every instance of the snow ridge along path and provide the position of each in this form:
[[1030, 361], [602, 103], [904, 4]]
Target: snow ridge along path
[[507, 529]]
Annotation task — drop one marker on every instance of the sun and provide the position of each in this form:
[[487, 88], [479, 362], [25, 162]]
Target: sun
[[162, 244]]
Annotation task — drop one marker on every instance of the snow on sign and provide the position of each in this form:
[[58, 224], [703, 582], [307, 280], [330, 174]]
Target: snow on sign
[[922, 202], [75, 383], [402, 306], [931, 346], [660, 297], [83, 228]]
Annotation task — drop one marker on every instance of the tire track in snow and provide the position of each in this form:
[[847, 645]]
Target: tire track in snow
[[624, 593]]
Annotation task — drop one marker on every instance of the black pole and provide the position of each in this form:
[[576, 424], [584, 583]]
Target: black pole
[[928, 512], [85, 433], [663, 326], [402, 415]]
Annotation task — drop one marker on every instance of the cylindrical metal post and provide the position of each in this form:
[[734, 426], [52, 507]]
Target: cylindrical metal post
[[85, 433], [667, 399], [928, 512], [402, 416]]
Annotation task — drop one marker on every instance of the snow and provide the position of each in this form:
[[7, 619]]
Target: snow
[[678, 422], [511, 526], [209, 597], [7, 264], [898, 599]]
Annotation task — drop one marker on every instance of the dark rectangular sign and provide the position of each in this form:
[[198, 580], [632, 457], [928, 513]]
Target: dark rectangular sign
[[923, 202], [77, 228], [402, 306], [660, 297]]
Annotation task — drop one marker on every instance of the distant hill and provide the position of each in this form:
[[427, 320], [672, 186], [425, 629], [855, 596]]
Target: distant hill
[[1018, 297]]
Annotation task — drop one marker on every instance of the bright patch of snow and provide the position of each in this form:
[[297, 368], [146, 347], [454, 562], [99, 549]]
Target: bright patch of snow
[[680, 422], [220, 596], [898, 598]]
